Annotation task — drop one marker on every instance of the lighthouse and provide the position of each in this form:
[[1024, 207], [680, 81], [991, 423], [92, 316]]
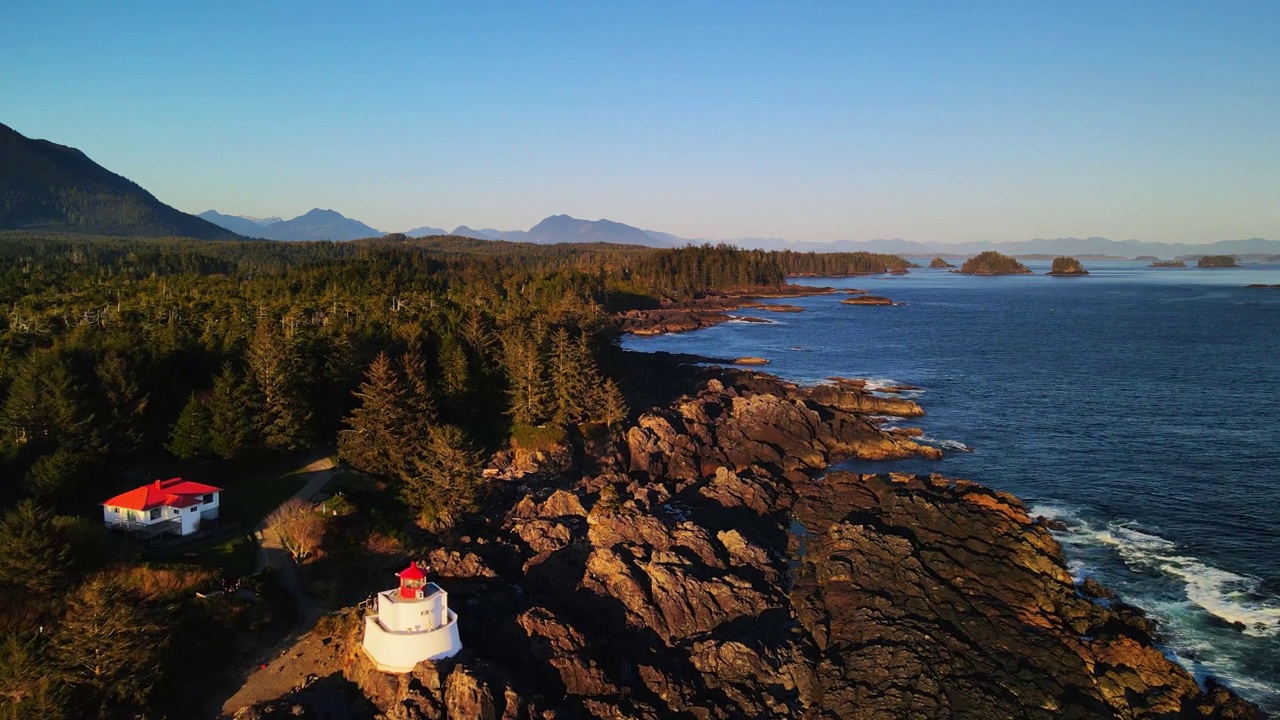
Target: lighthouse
[[411, 623]]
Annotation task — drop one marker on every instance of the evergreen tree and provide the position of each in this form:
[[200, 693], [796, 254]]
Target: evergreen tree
[[27, 687], [125, 401], [455, 370], [43, 408], [33, 554], [230, 415], [610, 404], [107, 646], [419, 397], [571, 378], [528, 391], [447, 477], [51, 477], [285, 419], [189, 437], [373, 439]]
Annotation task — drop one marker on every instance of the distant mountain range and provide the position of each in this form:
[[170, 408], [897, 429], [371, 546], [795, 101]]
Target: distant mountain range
[[1057, 246], [566, 229], [53, 188], [316, 224]]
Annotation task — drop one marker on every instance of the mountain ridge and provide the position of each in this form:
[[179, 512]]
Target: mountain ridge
[[48, 187], [562, 228]]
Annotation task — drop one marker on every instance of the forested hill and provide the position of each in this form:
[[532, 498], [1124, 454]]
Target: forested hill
[[54, 188]]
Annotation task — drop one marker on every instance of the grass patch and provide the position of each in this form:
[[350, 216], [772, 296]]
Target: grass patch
[[236, 557], [248, 501], [542, 437]]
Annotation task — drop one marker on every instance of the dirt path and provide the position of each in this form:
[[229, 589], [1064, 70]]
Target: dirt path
[[277, 671]]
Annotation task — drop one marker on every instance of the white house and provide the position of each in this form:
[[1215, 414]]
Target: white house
[[174, 505], [411, 623]]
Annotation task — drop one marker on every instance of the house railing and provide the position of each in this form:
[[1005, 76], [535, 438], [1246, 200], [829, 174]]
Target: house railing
[[148, 529]]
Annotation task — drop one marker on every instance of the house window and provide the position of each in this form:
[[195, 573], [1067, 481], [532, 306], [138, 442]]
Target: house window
[[193, 508], [208, 498], [155, 513]]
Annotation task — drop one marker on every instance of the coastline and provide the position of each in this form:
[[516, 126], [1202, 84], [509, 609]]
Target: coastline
[[1211, 684], [709, 561], [710, 310]]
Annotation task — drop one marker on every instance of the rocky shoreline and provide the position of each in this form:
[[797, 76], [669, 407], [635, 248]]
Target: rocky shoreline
[[685, 316], [708, 563]]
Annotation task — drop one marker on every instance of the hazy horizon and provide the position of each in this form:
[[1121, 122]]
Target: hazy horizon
[[930, 123]]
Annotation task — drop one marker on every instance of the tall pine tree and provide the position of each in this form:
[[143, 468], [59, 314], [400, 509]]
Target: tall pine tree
[[189, 437], [230, 415], [373, 439], [284, 421]]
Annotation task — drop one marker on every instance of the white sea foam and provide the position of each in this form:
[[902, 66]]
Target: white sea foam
[[946, 444], [1232, 597]]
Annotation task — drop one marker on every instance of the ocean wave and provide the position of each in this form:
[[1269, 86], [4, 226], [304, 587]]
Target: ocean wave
[[1231, 597], [945, 444]]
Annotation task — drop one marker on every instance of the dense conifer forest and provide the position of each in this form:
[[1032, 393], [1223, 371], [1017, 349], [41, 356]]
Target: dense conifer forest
[[413, 359]]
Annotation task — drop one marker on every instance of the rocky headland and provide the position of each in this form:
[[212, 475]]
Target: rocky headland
[[707, 564], [685, 316]]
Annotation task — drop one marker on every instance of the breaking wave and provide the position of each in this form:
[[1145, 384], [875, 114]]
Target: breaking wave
[[1231, 597]]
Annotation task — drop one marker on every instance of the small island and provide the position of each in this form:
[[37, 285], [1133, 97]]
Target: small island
[[993, 263], [1147, 258], [867, 300], [940, 263], [1217, 261], [1067, 267], [1168, 263]]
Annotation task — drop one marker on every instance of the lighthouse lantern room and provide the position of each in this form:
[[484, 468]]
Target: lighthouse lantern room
[[410, 624]]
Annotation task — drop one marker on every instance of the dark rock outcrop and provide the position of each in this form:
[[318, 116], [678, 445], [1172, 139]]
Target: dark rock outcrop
[[726, 576], [867, 300], [674, 317], [938, 263]]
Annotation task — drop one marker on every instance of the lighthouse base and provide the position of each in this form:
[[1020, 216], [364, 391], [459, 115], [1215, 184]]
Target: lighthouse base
[[399, 652]]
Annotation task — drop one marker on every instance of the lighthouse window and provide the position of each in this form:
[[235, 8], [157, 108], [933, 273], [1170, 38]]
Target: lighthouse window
[[155, 513], [193, 509], [208, 498]]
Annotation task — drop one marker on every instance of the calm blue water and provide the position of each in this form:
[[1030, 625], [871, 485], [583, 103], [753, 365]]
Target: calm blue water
[[1141, 406]]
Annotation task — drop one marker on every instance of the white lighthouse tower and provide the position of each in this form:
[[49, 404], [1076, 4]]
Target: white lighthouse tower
[[413, 623]]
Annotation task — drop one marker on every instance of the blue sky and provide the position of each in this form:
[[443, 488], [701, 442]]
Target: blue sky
[[946, 121]]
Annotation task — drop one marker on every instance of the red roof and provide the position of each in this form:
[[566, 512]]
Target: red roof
[[412, 573], [174, 492]]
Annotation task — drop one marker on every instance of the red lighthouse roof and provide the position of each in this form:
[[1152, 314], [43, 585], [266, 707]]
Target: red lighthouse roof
[[412, 573]]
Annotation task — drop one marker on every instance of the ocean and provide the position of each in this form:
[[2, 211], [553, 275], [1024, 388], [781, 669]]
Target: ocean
[[1140, 406]]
